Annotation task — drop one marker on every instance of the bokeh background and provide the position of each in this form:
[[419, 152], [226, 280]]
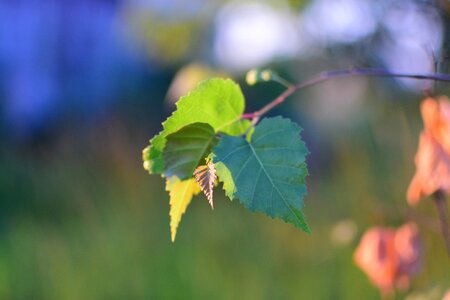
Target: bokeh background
[[85, 84]]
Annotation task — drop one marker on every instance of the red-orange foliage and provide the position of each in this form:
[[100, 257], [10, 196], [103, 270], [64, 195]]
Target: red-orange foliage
[[433, 155], [390, 257]]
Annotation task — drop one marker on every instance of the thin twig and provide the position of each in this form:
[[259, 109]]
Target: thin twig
[[409, 214], [441, 205], [345, 73]]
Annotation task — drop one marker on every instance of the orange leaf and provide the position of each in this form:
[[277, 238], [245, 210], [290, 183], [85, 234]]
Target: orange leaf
[[433, 155], [390, 257], [376, 256]]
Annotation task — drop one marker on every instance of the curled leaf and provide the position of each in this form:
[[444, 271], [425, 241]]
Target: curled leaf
[[205, 176]]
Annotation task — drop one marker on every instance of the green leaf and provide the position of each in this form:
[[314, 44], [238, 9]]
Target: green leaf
[[226, 179], [217, 102], [266, 174], [187, 148], [152, 155], [181, 193]]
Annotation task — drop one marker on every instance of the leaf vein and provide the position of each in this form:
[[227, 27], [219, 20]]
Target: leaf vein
[[273, 184]]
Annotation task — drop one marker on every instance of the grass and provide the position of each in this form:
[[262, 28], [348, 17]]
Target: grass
[[82, 220]]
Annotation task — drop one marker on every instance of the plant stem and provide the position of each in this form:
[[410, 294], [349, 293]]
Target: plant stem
[[345, 73], [441, 205]]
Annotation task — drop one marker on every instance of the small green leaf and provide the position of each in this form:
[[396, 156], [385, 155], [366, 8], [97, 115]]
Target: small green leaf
[[226, 178], [217, 102], [266, 174], [187, 148], [152, 155]]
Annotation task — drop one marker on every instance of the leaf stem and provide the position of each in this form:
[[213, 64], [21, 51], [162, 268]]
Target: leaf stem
[[343, 73], [441, 205]]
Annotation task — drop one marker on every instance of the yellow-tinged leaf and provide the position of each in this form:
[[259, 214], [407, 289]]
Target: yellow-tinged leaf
[[217, 102], [181, 193], [206, 177]]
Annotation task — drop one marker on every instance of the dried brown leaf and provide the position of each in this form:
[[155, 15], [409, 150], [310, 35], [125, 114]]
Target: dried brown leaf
[[205, 176]]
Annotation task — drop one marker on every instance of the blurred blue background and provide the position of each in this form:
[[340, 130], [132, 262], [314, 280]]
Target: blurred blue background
[[84, 85]]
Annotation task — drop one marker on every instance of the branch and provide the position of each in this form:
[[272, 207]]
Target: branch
[[345, 73], [441, 205]]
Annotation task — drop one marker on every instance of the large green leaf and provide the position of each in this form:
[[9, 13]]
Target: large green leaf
[[187, 148], [267, 173], [217, 102]]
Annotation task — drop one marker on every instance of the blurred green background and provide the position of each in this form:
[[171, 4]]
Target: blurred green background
[[85, 84]]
